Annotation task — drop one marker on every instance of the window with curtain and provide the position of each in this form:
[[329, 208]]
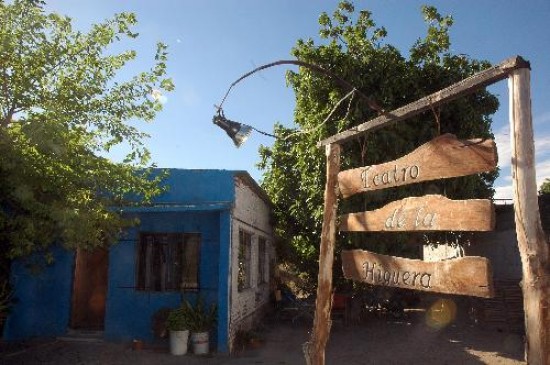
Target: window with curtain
[[168, 261]]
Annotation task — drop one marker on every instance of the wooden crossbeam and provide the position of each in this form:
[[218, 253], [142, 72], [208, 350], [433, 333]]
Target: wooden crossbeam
[[466, 86]]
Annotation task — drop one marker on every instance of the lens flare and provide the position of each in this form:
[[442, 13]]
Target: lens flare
[[441, 314], [156, 95]]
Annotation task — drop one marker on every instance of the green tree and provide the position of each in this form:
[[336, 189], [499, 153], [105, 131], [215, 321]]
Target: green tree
[[545, 187], [353, 47], [62, 107]]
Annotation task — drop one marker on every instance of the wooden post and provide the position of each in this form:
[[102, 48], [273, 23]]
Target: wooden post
[[532, 242], [314, 350]]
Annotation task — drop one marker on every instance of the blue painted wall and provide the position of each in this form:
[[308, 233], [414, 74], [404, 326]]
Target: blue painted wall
[[44, 305], [199, 186], [224, 280], [43, 294], [129, 311]]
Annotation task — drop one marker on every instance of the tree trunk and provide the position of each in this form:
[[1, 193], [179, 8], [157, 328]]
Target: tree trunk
[[7, 119], [314, 350], [532, 242]]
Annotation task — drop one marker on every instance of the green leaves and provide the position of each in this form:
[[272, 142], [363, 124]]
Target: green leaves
[[62, 107], [195, 318], [437, 41], [545, 187], [354, 49]]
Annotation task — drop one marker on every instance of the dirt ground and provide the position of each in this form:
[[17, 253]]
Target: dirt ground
[[378, 341]]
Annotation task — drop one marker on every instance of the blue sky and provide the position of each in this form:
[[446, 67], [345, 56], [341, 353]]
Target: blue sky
[[213, 42]]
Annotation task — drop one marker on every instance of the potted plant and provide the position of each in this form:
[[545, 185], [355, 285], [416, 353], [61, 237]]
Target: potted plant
[[177, 323], [201, 320]]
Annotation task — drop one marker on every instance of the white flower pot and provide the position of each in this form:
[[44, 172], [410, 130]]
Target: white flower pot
[[178, 342], [200, 342]]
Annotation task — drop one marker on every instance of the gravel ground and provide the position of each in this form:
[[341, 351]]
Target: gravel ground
[[377, 341]]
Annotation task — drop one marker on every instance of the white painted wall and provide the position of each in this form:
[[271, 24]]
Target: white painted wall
[[251, 214], [441, 252]]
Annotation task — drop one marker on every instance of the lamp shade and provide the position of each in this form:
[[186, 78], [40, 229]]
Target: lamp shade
[[236, 131]]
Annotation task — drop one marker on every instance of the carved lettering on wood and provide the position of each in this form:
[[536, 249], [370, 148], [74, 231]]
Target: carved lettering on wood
[[469, 275], [442, 157], [427, 213]]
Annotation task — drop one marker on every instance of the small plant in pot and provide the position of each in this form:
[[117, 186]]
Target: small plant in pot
[[177, 323], [201, 320]]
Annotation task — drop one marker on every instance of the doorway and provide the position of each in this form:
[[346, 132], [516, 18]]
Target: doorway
[[90, 290]]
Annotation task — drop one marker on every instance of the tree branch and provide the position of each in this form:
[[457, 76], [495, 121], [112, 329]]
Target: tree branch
[[8, 118]]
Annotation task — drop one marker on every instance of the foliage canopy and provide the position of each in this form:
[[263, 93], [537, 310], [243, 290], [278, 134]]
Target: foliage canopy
[[353, 47], [545, 187], [62, 107]]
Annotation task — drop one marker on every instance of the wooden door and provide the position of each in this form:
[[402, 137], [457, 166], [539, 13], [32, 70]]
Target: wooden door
[[89, 289]]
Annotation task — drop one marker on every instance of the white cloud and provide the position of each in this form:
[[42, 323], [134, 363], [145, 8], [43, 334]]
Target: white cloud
[[502, 139], [542, 156], [543, 171], [508, 178], [503, 192], [542, 147], [542, 144], [506, 192], [542, 141]]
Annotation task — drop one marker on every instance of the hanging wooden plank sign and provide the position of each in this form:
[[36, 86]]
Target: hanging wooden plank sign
[[427, 213], [443, 157], [470, 275]]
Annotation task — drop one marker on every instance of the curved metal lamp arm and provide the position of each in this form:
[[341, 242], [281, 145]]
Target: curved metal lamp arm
[[239, 132], [370, 102]]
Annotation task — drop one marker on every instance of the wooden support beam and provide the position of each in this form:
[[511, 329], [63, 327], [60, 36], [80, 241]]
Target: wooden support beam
[[466, 86], [532, 242], [314, 350]]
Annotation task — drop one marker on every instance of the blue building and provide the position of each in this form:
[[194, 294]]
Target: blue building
[[210, 234]]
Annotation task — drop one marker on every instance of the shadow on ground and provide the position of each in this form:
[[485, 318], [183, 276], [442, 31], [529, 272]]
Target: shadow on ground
[[378, 341]]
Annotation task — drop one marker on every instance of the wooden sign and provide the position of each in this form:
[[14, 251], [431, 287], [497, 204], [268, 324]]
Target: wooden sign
[[469, 275], [442, 157], [427, 213]]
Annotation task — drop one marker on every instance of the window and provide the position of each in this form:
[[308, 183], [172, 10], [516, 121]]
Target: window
[[262, 261], [168, 261], [245, 253]]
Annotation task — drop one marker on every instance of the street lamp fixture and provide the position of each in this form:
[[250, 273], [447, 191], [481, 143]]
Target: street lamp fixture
[[238, 132]]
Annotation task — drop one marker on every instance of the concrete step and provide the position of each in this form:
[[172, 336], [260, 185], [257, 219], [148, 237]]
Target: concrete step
[[82, 336]]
